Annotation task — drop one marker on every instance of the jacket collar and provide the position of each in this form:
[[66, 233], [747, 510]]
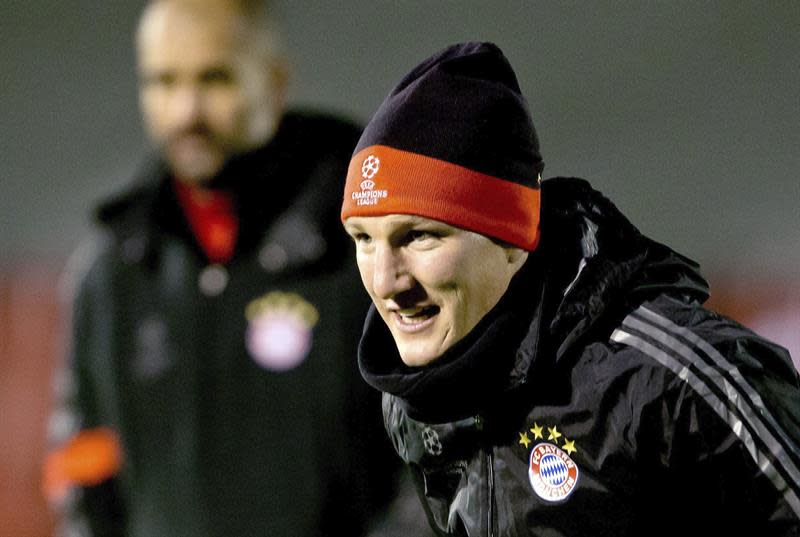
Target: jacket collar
[[600, 266], [279, 207]]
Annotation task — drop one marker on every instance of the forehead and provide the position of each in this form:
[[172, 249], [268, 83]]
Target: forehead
[[189, 36], [391, 222]]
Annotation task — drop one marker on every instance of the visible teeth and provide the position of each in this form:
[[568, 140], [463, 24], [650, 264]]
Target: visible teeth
[[414, 314]]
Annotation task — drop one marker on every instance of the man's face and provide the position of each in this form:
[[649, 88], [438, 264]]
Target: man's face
[[205, 96], [430, 282]]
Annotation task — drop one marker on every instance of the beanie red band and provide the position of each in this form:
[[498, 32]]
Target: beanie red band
[[382, 180]]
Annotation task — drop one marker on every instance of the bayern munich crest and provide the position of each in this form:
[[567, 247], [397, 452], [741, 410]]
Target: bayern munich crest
[[553, 474], [279, 332]]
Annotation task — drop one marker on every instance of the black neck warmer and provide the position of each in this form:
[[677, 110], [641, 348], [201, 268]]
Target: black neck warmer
[[470, 375]]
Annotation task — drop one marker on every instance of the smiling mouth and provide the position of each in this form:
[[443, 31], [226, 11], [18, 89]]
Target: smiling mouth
[[413, 320]]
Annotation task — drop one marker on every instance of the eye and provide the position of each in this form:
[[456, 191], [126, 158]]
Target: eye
[[161, 78], [218, 75], [421, 237], [361, 238]]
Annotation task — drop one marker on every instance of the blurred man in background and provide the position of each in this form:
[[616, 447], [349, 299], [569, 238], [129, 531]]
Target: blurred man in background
[[212, 386]]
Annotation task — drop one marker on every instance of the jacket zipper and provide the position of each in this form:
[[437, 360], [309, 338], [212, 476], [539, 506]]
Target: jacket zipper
[[490, 522]]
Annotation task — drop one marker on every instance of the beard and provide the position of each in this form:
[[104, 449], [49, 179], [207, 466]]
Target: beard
[[195, 154]]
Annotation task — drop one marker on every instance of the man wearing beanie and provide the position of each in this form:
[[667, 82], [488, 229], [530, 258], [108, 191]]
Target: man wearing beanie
[[546, 368]]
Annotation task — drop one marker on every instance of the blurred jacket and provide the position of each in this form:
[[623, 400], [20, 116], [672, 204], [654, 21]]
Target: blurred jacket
[[231, 391]]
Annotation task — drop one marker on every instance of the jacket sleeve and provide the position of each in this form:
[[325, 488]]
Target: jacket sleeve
[[729, 430], [84, 456]]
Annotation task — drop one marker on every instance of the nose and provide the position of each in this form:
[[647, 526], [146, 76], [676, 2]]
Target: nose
[[390, 275], [187, 105]]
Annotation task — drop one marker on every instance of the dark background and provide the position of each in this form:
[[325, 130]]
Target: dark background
[[687, 114]]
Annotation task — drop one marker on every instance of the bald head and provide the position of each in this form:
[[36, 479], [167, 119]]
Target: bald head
[[242, 20], [211, 84]]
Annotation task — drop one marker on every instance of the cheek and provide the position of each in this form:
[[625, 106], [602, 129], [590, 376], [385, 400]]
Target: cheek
[[224, 111], [477, 285], [483, 286], [365, 270], [260, 98], [154, 112], [437, 272]]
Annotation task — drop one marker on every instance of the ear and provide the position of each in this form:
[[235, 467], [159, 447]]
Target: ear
[[516, 258], [279, 79]]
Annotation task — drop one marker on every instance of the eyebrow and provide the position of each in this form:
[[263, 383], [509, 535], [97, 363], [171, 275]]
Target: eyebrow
[[352, 226], [414, 219], [403, 222]]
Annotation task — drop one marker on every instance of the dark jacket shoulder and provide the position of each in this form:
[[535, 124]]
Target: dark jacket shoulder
[[288, 191]]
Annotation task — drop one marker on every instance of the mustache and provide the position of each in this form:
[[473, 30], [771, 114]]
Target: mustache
[[197, 129]]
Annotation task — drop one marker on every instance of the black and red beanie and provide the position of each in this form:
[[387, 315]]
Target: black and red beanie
[[453, 141]]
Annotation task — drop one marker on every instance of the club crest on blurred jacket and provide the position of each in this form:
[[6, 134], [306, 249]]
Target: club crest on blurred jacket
[[279, 333]]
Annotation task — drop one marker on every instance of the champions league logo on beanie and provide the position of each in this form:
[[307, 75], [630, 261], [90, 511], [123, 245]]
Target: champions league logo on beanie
[[367, 195], [454, 142], [369, 168]]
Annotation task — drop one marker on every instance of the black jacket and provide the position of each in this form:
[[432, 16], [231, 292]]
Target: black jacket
[[598, 398], [217, 440]]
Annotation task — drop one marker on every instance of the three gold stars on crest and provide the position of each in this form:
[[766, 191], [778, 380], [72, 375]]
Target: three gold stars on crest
[[552, 434]]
